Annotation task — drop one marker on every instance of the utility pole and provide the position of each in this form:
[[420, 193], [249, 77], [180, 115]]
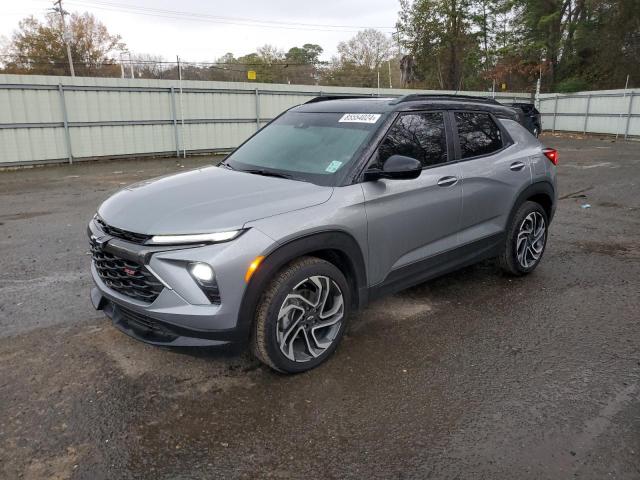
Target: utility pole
[[539, 82], [131, 65], [65, 35], [121, 66]]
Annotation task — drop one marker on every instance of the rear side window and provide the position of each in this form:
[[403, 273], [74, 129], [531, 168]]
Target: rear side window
[[478, 134], [417, 135]]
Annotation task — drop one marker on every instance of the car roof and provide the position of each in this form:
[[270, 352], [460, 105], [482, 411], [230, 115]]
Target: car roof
[[355, 104], [344, 104]]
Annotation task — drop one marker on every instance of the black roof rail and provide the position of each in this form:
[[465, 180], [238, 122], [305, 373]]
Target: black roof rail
[[324, 98], [412, 97]]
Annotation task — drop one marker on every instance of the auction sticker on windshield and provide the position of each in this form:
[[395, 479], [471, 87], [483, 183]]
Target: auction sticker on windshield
[[333, 166], [360, 118]]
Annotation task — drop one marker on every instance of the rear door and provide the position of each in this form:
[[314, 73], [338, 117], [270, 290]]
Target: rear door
[[494, 170], [411, 220]]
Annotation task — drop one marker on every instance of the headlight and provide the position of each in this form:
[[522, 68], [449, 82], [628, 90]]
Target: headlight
[[197, 238]]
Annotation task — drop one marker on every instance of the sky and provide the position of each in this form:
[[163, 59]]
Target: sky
[[201, 30]]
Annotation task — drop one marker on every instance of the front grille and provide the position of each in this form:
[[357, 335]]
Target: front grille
[[119, 233], [125, 276]]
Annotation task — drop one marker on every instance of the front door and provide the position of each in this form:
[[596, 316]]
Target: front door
[[412, 220]]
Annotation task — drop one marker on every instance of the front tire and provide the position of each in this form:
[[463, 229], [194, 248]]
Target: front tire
[[526, 240], [301, 316]]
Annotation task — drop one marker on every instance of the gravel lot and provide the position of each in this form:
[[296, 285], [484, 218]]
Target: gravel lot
[[473, 375]]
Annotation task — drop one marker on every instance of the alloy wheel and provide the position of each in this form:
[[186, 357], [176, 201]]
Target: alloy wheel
[[310, 318], [531, 240]]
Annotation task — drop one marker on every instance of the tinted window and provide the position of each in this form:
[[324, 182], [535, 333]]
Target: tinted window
[[416, 135], [307, 145], [478, 133]]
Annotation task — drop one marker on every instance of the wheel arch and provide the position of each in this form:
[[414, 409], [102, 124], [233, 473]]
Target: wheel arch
[[336, 247], [542, 192]]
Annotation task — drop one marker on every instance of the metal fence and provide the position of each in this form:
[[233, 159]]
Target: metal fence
[[62, 119], [615, 112]]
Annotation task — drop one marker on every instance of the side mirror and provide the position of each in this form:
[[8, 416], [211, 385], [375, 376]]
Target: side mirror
[[397, 167]]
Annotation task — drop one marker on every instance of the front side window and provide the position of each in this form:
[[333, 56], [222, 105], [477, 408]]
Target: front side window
[[478, 134], [309, 146], [417, 135]]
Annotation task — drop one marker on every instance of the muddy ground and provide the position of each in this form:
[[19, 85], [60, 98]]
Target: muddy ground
[[473, 375]]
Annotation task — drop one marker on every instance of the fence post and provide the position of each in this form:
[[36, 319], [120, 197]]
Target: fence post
[[626, 130], [586, 115], [555, 113], [65, 121], [257, 110], [174, 118]]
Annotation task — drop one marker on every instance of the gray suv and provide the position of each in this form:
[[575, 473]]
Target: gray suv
[[334, 203]]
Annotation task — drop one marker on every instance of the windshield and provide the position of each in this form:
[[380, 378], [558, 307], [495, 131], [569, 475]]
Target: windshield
[[315, 147]]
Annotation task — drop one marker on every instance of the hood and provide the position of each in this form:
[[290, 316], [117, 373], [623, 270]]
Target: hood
[[206, 200]]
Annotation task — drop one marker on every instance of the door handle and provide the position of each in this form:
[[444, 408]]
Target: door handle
[[447, 181], [515, 166]]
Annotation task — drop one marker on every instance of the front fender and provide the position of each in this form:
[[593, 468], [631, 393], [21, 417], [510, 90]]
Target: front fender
[[343, 244]]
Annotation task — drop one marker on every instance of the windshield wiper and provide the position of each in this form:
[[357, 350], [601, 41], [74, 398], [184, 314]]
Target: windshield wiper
[[269, 173], [226, 165]]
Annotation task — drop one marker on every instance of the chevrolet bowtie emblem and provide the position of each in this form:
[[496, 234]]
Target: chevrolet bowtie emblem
[[100, 242]]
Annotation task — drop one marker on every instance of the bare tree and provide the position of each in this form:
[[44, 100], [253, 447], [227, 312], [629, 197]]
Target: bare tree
[[270, 54], [369, 48], [146, 65]]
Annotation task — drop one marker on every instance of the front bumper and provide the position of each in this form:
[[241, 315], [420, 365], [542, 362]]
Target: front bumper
[[147, 329], [181, 315]]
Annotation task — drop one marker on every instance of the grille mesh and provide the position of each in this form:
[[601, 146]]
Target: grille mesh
[[119, 233], [126, 277]]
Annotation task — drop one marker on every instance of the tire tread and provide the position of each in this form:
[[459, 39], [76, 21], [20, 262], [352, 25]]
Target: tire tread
[[258, 337]]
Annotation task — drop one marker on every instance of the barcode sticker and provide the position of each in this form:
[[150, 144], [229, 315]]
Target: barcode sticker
[[360, 118], [333, 166]]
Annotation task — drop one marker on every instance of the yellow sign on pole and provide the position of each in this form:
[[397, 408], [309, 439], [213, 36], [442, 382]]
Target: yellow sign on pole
[[504, 86], [251, 75]]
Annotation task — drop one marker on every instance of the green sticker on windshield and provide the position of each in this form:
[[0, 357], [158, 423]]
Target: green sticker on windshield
[[333, 166]]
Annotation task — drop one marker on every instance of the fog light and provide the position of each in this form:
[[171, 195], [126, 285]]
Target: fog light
[[202, 272], [206, 279]]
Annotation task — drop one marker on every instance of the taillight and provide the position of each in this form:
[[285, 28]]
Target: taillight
[[551, 154]]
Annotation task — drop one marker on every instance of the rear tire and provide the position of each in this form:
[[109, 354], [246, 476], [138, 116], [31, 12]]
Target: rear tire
[[301, 316], [526, 240]]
